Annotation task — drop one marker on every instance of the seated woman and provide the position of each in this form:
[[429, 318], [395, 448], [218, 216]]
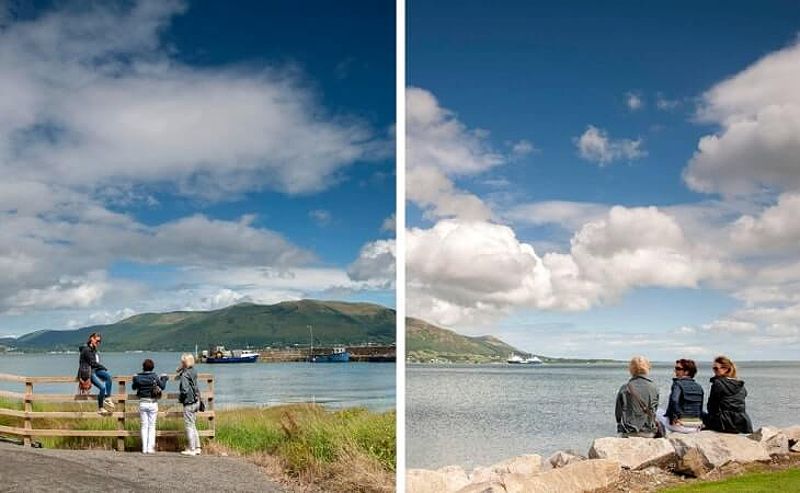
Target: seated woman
[[685, 407], [726, 408], [637, 402]]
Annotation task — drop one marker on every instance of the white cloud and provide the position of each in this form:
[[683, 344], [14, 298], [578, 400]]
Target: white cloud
[[634, 101], [375, 265], [665, 104], [320, 216], [91, 96], [389, 224], [522, 148], [570, 215], [595, 145], [432, 190], [758, 112], [776, 228]]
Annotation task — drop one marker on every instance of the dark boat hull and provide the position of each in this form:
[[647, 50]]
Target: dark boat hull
[[331, 358], [218, 361]]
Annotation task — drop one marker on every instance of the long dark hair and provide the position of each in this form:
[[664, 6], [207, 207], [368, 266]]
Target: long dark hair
[[92, 336]]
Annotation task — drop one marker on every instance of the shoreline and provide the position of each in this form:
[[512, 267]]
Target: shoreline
[[612, 463]]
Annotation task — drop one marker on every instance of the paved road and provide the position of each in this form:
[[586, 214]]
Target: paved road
[[29, 469]]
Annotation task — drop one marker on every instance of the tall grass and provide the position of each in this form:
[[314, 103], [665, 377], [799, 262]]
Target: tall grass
[[347, 450]]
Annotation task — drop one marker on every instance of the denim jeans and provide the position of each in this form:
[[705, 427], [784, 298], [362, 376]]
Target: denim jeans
[[148, 412], [189, 418], [102, 380]]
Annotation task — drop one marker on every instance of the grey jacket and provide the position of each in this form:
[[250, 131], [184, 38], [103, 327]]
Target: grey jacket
[[187, 386], [637, 416]]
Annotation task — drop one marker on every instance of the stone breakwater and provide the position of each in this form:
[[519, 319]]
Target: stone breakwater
[[693, 455]]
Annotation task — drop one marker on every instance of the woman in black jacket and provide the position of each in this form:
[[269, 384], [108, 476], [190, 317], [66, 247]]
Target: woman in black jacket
[[89, 368], [148, 387], [726, 406]]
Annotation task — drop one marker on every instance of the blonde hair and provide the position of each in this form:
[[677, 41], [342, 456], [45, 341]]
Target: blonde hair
[[639, 365], [725, 362], [187, 359]]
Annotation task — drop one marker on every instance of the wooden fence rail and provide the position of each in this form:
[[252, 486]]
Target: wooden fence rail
[[121, 397]]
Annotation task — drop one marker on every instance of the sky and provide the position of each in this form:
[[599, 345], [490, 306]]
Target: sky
[[596, 179], [167, 155]]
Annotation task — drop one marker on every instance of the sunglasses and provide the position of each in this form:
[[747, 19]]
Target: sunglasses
[[716, 368]]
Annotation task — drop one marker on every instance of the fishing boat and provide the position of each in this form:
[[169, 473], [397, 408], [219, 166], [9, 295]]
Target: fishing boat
[[221, 355], [338, 354]]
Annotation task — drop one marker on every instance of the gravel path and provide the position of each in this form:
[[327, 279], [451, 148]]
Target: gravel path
[[29, 469]]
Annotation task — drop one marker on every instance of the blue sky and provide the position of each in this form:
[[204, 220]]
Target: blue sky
[[189, 155], [536, 118]]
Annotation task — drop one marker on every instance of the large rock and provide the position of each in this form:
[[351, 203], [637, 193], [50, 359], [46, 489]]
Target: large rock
[[635, 452], [445, 480], [795, 447], [561, 459], [774, 440], [525, 465], [698, 453], [579, 477], [493, 487], [793, 433]]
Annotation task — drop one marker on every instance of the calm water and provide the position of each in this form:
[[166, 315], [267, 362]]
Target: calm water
[[478, 415], [337, 385]]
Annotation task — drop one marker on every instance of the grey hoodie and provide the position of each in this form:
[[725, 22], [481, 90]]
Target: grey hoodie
[[633, 416]]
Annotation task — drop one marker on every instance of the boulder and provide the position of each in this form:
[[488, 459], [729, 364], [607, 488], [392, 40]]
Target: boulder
[[493, 487], [795, 447], [793, 433], [561, 459], [698, 453], [445, 480], [525, 465], [635, 452], [774, 440], [579, 477]]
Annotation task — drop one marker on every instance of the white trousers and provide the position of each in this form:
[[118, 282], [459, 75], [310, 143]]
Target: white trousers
[[148, 412]]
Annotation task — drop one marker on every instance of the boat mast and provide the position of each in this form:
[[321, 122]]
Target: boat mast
[[311, 353]]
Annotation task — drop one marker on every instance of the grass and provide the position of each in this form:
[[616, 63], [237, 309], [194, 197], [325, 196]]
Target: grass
[[346, 450], [759, 482]]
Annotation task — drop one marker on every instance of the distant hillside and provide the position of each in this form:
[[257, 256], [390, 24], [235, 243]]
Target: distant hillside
[[245, 324], [427, 343]]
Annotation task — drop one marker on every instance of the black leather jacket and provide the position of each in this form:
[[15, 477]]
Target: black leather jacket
[[726, 407], [89, 362]]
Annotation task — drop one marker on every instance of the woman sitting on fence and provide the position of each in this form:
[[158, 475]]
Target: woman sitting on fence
[[89, 368], [189, 396], [148, 387]]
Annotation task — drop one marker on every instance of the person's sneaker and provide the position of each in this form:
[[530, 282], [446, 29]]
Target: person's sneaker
[[109, 404], [103, 412], [198, 451], [188, 452]]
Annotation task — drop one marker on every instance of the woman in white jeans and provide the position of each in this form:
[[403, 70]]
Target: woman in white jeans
[[148, 387], [189, 396]]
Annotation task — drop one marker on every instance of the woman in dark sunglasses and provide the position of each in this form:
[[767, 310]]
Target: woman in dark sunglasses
[[685, 407], [726, 406]]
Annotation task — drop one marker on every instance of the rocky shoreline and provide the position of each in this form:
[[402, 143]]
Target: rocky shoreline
[[694, 455]]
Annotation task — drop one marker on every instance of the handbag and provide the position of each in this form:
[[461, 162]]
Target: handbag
[[156, 392], [660, 431], [84, 386], [201, 406]]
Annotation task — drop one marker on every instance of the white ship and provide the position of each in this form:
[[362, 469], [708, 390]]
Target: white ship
[[516, 359]]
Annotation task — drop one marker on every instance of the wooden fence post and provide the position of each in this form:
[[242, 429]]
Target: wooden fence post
[[212, 425], [26, 440], [121, 398]]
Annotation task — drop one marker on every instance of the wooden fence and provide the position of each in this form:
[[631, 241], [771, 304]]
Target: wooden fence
[[122, 398]]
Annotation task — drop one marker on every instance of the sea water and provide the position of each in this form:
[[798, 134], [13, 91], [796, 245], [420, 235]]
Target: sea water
[[481, 414], [336, 385]]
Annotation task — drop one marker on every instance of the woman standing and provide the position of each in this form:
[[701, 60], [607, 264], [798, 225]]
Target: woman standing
[[189, 396], [685, 407], [726, 406], [148, 387]]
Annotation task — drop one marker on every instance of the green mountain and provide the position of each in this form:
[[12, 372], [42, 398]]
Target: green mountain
[[427, 343], [241, 325]]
